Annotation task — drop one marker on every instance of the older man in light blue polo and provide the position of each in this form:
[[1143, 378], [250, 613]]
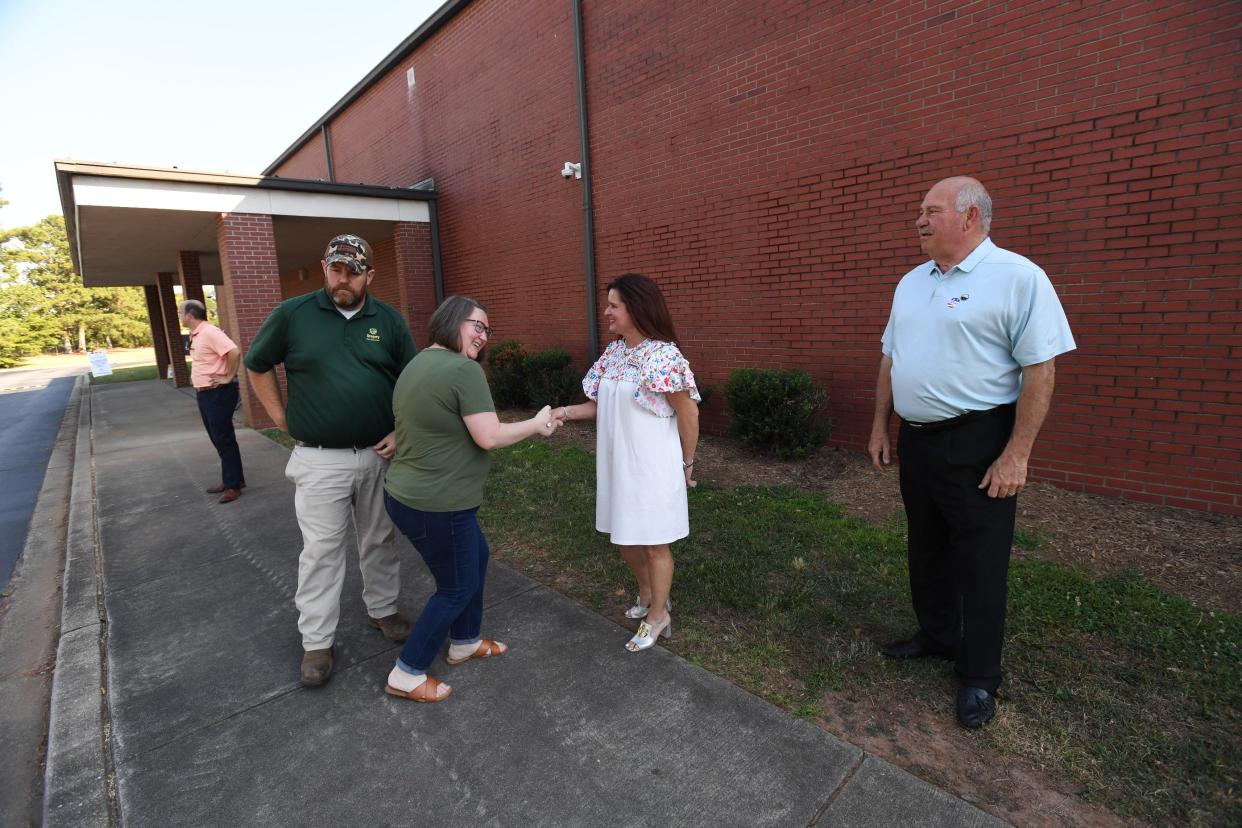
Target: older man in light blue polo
[[968, 366]]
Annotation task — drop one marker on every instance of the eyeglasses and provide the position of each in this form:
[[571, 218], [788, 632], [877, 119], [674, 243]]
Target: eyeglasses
[[479, 327]]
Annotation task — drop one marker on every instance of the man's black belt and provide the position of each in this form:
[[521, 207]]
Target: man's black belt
[[304, 444], [214, 387], [954, 422]]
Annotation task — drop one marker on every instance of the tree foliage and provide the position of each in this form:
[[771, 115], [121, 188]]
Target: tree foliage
[[43, 304]]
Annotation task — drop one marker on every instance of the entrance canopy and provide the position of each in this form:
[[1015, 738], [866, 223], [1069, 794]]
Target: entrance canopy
[[258, 239], [126, 224]]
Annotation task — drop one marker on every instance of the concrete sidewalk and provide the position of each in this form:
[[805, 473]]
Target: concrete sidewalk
[[203, 722]]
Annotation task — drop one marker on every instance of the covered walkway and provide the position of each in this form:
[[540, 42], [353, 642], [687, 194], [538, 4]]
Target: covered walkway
[[257, 239]]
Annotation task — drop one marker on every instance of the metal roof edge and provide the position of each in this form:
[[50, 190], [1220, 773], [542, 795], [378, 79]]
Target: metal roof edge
[[68, 168]]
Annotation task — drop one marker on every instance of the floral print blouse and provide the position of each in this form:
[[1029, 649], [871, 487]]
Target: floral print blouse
[[657, 368]]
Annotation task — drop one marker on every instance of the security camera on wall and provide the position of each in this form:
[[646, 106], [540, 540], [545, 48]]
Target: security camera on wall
[[571, 170]]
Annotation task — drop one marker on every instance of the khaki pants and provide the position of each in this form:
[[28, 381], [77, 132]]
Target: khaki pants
[[334, 489]]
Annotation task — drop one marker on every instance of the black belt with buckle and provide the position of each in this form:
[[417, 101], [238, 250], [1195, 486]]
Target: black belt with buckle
[[303, 444], [954, 422]]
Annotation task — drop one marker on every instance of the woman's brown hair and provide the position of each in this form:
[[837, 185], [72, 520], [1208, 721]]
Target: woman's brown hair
[[444, 328], [646, 306]]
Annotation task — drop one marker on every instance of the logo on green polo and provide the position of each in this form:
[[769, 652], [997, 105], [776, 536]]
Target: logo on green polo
[[373, 335]]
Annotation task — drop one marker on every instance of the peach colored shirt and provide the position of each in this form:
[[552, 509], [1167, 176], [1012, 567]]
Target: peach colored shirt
[[208, 347]]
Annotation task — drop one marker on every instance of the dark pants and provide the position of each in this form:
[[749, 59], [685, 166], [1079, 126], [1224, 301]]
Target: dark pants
[[454, 549], [217, 405], [959, 540]]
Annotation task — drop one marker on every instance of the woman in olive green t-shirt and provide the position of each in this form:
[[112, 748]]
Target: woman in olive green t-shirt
[[445, 426]]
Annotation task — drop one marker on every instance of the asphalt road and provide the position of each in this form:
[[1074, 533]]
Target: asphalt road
[[32, 405], [32, 401]]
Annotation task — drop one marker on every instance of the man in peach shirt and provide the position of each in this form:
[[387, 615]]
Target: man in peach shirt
[[214, 376]]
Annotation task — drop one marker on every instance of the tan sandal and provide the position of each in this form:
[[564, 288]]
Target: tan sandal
[[487, 648], [428, 691]]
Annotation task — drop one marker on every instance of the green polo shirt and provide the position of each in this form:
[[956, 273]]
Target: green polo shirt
[[438, 466], [340, 371]]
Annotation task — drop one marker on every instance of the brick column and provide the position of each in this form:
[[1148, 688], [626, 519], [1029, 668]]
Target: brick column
[[222, 308], [159, 337], [191, 275], [415, 276], [172, 327], [250, 291]]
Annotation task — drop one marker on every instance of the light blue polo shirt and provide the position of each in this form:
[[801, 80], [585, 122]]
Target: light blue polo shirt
[[959, 340]]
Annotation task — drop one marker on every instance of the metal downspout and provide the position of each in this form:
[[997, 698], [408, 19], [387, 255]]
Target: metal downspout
[[327, 151], [588, 221], [436, 267]]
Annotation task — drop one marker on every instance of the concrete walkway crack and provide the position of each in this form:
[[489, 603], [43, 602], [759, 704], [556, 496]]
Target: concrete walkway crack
[[845, 780]]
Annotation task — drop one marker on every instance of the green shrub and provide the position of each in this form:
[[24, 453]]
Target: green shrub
[[776, 411], [551, 379], [506, 374]]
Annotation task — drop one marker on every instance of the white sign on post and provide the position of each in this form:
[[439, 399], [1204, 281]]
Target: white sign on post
[[100, 367]]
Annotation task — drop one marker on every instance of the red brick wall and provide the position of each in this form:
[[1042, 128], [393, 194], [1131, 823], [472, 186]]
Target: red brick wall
[[416, 275], [190, 273], [292, 284], [492, 118], [247, 245], [765, 162], [386, 286], [309, 162]]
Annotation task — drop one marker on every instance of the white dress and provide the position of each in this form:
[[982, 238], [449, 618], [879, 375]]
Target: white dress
[[640, 497]]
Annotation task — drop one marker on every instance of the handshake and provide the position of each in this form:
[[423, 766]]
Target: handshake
[[548, 421]]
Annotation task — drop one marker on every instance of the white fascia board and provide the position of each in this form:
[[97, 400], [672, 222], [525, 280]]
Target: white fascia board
[[100, 191]]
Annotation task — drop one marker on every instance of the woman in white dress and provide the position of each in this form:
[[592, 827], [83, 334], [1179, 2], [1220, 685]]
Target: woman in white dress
[[642, 393]]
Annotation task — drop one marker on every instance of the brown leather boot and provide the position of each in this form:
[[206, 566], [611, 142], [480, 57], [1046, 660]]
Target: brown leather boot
[[316, 667], [394, 627]]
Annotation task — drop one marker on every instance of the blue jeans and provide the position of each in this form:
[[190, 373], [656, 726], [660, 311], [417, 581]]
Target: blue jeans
[[454, 549], [216, 407]]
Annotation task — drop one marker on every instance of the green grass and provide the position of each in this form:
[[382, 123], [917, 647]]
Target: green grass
[[131, 373], [1027, 539], [1111, 684]]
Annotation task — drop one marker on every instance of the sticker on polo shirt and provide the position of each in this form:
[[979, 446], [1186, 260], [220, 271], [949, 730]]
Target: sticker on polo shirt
[[957, 300], [373, 335]]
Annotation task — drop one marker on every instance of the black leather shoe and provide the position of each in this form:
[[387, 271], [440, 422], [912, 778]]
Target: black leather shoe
[[917, 647], [975, 707]]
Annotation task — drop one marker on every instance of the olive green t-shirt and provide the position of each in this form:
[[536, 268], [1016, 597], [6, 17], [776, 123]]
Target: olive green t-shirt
[[340, 371], [438, 466]]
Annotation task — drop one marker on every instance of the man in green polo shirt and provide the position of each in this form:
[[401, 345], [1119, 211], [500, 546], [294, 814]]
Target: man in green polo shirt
[[342, 351]]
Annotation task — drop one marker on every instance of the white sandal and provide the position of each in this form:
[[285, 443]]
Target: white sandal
[[647, 635], [639, 611]]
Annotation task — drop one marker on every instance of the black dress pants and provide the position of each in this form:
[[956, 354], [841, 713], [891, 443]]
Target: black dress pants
[[216, 407], [959, 540]]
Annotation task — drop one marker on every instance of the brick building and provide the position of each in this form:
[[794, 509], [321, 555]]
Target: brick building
[[765, 161]]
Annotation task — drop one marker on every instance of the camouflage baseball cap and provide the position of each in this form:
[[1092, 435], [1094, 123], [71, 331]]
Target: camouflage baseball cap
[[350, 250]]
